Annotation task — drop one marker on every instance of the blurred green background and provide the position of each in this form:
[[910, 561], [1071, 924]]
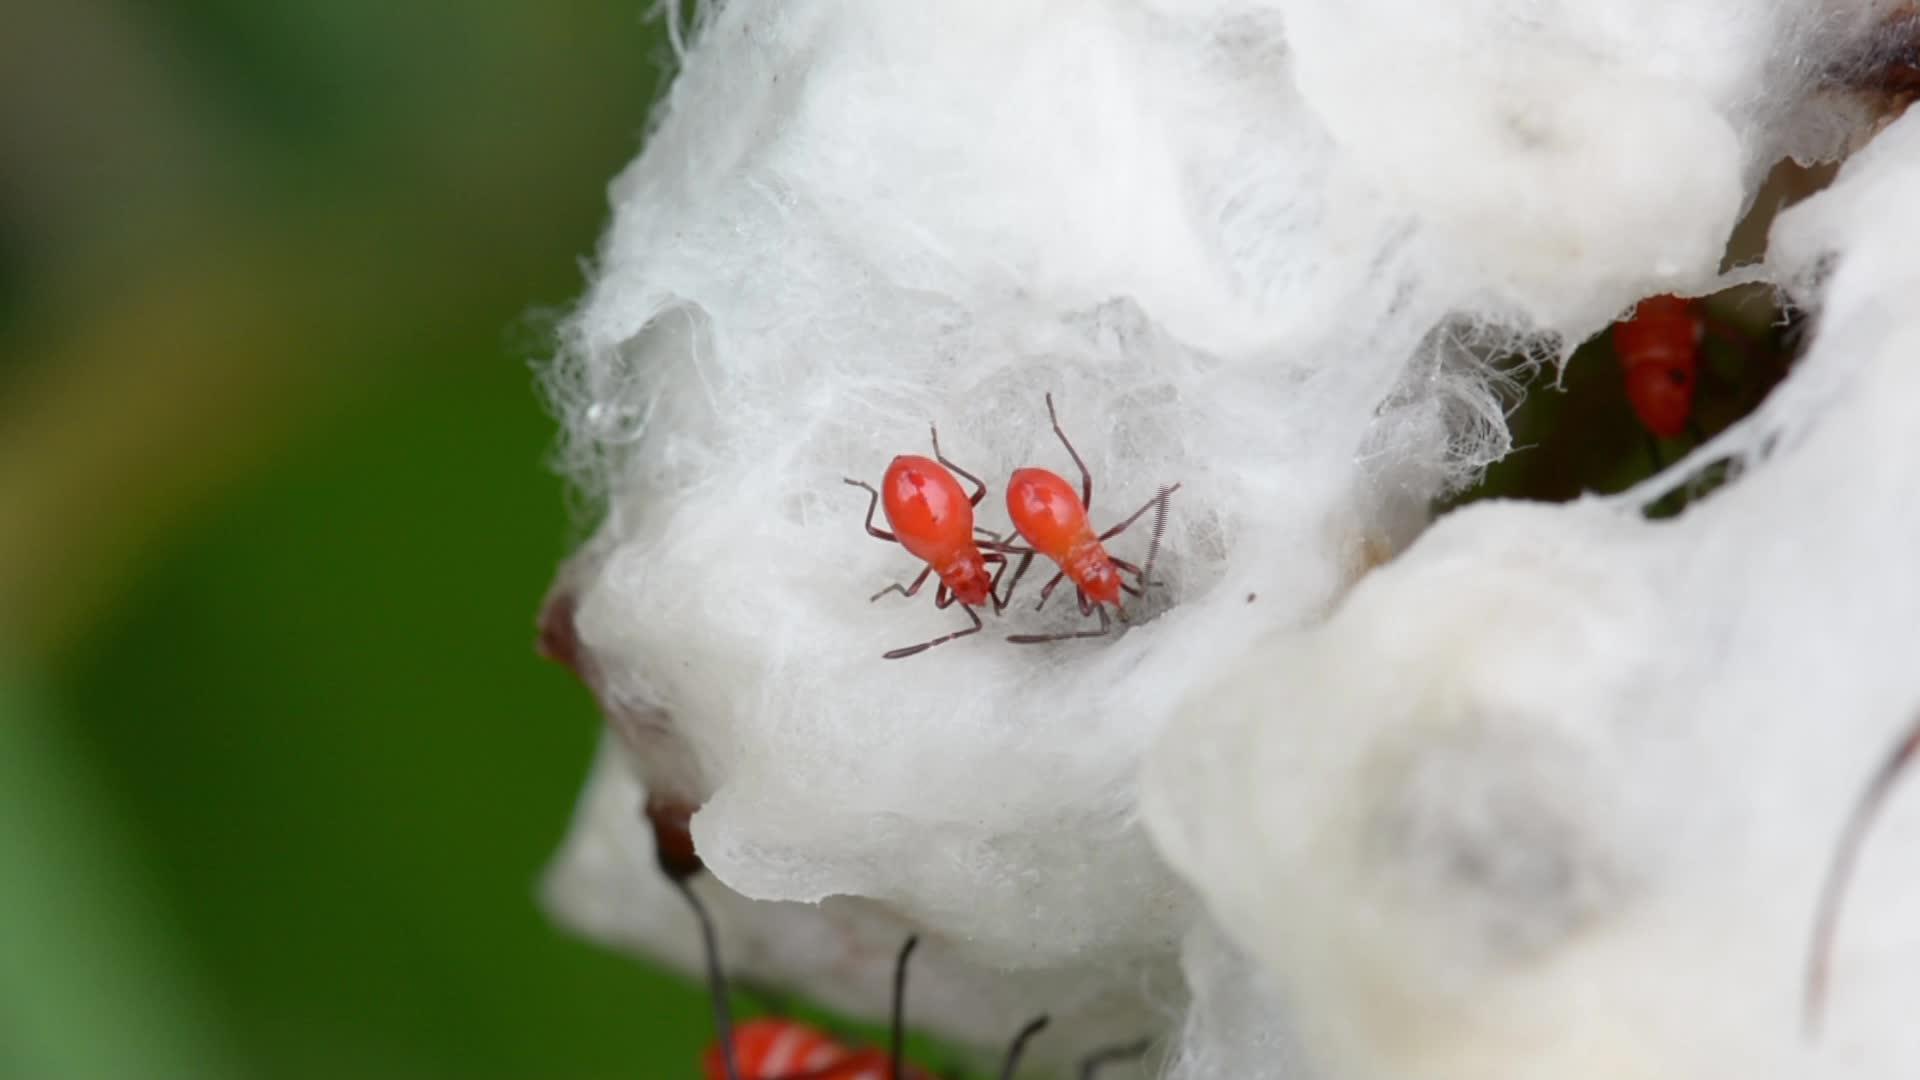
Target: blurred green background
[[278, 766]]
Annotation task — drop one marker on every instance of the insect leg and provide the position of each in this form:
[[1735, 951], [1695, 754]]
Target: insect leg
[[897, 1039], [1048, 590], [1086, 478], [1139, 574], [980, 485], [873, 503], [910, 650], [1106, 627], [1001, 601], [1019, 1046], [904, 590], [993, 587], [716, 977], [1112, 1055]]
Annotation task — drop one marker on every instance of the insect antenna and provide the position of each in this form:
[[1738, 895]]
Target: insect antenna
[[673, 851], [897, 1039], [1852, 837], [1159, 528], [716, 978], [1112, 1055], [1019, 1046]]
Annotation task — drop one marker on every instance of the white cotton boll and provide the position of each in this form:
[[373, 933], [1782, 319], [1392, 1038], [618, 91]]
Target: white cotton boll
[[781, 306], [1574, 157], [1237, 1027], [1234, 262], [604, 883], [1553, 794]]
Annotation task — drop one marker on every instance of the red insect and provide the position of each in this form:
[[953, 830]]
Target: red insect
[[1053, 521], [1852, 837], [932, 517], [771, 1048], [1659, 350]]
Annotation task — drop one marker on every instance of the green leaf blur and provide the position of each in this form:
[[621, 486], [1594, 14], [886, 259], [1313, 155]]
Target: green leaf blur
[[279, 768]]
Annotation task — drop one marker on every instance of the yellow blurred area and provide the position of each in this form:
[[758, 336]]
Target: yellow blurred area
[[201, 265]]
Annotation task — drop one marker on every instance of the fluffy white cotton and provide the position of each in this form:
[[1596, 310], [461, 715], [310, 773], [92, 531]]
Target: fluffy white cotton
[[1260, 249], [1554, 793], [1238, 1026], [780, 308]]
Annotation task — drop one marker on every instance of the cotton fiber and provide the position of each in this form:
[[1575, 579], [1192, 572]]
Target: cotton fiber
[[1272, 252], [841, 951]]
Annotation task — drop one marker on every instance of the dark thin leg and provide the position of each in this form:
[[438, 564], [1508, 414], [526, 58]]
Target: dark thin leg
[[873, 503], [1106, 627], [900, 654], [903, 590], [1048, 590], [897, 1043], [982, 530], [1112, 1055], [980, 485], [1086, 478], [716, 979], [1019, 1046], [1844, 857], [1006, 598], [993, 589], [1158, 500]]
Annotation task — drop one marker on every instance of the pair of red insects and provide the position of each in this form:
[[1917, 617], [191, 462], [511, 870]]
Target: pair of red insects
[[932, 517]]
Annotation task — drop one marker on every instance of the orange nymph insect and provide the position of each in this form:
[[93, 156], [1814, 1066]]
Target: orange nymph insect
[[932, 517], [1053, 521], [1659, 350]]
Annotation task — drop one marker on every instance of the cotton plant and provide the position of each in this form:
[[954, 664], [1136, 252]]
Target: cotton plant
[[1532, 790]]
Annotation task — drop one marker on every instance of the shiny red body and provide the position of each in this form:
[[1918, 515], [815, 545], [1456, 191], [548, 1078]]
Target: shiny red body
[[1659, 350], [776, 1049], [930, 514], [1048, 513]]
